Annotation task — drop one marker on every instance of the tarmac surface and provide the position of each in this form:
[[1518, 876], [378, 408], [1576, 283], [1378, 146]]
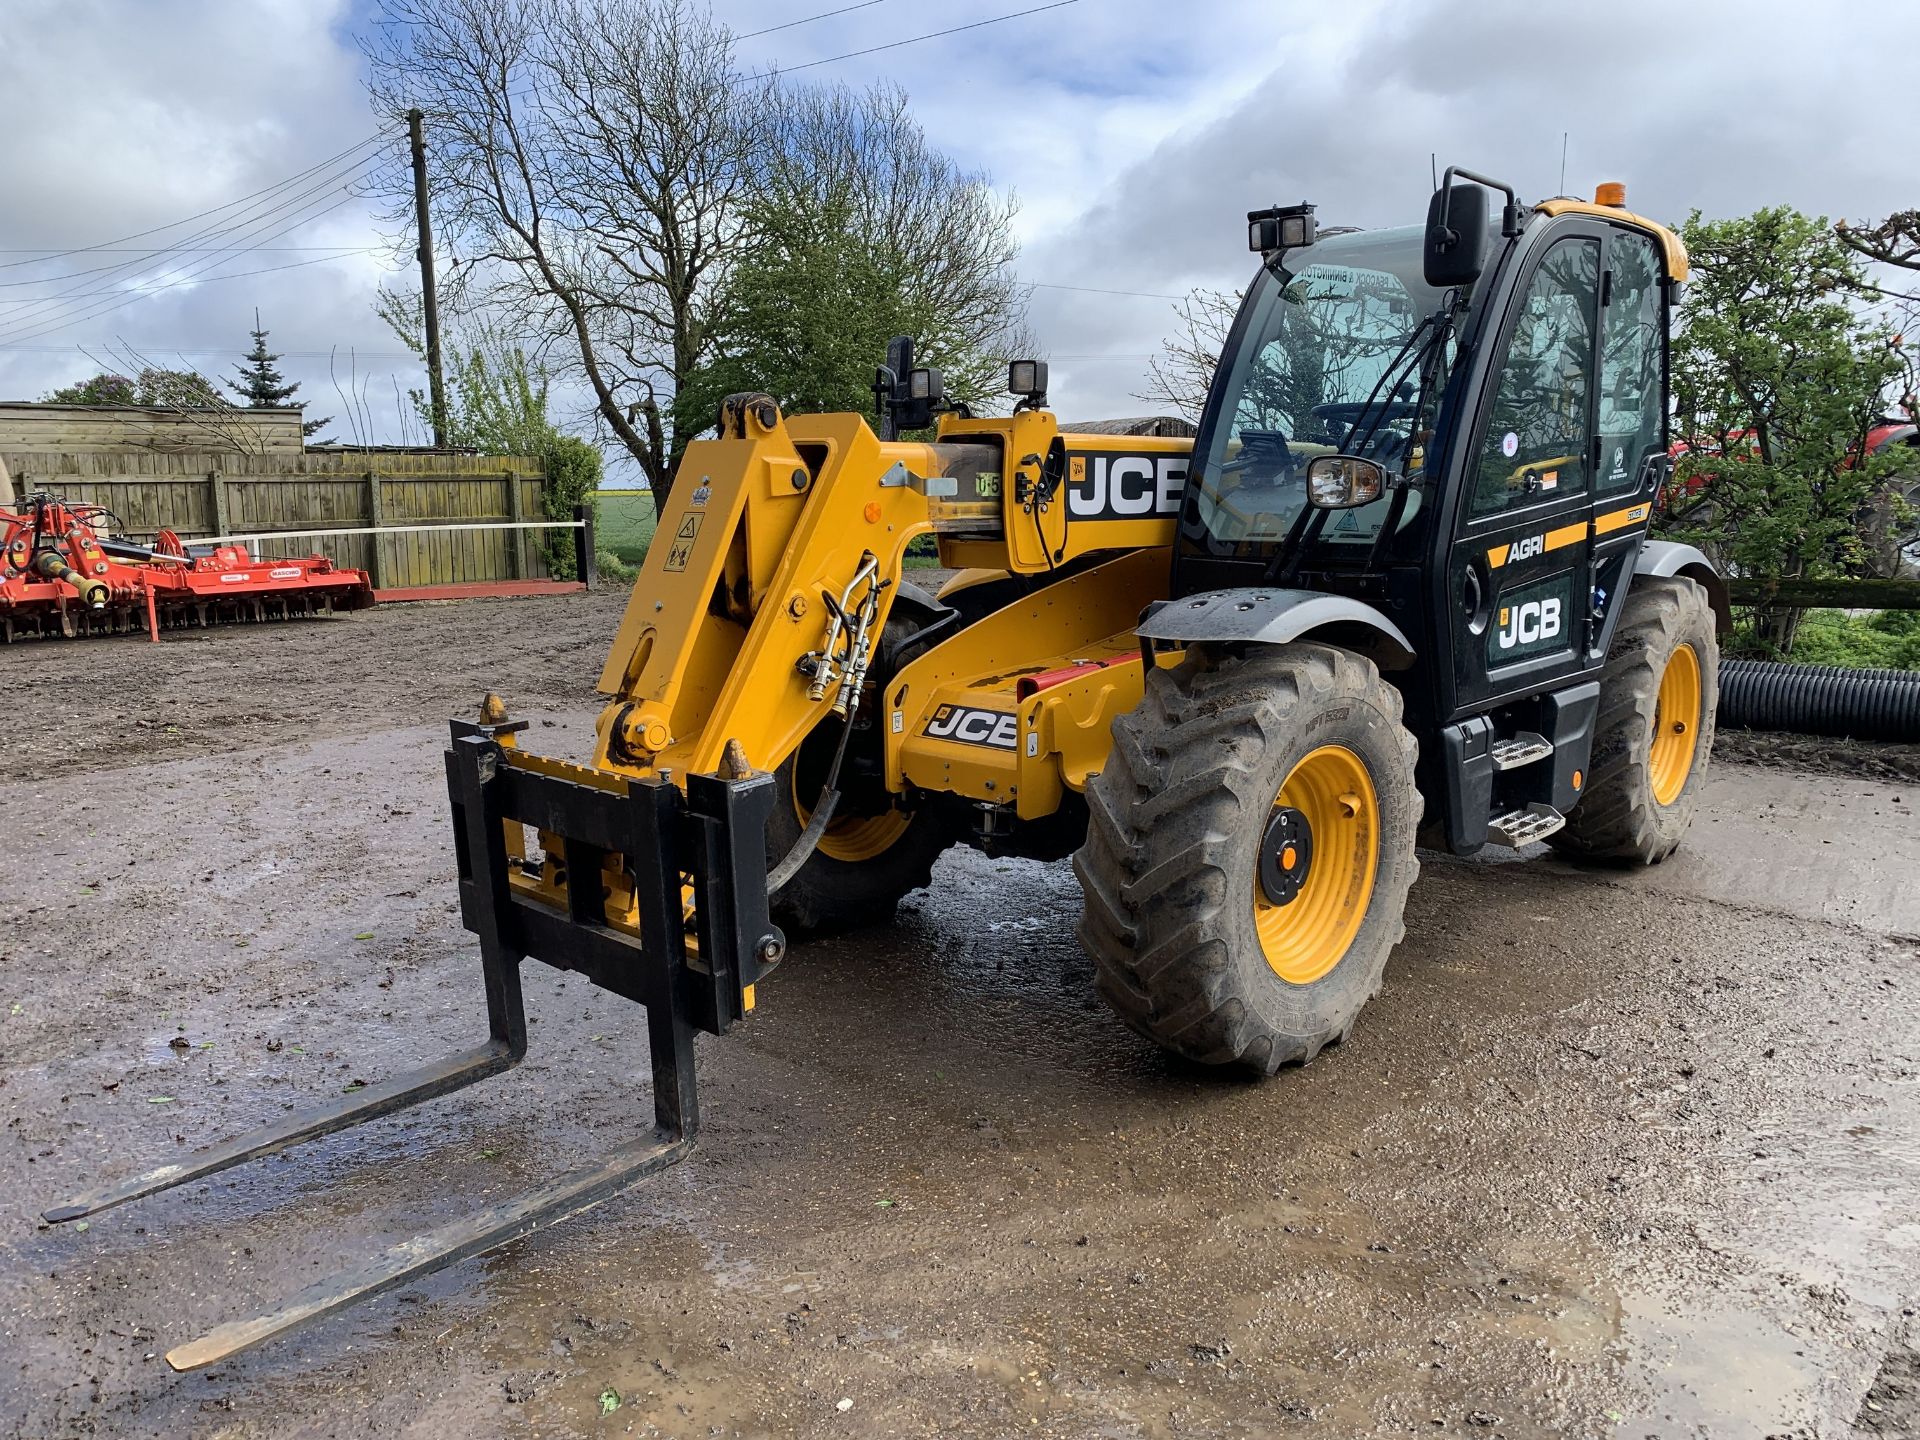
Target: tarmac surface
[[1616, 1153]]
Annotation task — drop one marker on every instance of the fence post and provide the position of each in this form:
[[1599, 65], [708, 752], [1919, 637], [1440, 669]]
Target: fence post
[[517, 539], [585, 562], [376, 517], [217, 502]]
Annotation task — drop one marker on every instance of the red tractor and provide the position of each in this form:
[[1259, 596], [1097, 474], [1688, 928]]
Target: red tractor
[[1892, 431]]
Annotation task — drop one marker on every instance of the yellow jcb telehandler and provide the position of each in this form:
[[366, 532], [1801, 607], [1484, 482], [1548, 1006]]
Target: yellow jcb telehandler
[[1397, 587]]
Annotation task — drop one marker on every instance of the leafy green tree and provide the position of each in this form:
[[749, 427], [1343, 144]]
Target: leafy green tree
[[497, 401], [572, 469], [1777, 377], [101, 389], [177, 389], [859, 230]]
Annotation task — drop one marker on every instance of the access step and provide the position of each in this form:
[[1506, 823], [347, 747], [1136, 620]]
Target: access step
[[1524, 826], [1521, 749]]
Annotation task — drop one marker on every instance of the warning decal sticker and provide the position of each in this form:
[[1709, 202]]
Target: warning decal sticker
[[681, 550]]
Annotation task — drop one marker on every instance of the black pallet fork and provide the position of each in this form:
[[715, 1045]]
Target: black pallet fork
[[691, 973]]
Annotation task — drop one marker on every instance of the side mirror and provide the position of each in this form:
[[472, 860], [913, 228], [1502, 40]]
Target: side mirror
[[1456, 245], [1344, 482]]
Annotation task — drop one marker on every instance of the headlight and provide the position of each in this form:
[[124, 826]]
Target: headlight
[[1342, 482]]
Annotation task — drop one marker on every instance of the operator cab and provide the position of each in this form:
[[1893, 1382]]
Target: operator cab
[[1463, 426]]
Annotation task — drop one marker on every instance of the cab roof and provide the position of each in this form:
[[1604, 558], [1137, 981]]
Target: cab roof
[[1675, 249]]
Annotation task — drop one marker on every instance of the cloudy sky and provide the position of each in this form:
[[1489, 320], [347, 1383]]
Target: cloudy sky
[[1135, 134]]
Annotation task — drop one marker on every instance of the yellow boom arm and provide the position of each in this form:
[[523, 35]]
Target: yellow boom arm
[[747, 620]]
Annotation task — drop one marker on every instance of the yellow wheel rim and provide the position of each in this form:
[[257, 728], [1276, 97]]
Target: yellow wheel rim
[[853, 838], [1676, 725], [1307, 936]]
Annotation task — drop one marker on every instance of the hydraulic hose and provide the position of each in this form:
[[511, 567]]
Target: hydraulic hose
[[125, 550], [817, 823], [1821, 700]]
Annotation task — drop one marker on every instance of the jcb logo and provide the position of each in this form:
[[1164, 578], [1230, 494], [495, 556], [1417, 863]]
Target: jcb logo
[[1526, 549], [995, 729], [1527, 624], [1120, 487]]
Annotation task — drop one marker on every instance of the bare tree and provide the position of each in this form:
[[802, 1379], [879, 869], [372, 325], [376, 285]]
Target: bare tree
[[589, 160], [188, 396], [1183, 371], [1314, 345], [1893, 241]]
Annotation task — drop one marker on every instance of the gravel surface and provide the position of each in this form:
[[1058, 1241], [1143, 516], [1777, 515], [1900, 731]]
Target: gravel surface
[[1613, 1154]]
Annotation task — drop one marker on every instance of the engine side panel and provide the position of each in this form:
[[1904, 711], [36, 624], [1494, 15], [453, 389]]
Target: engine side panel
[[961, 720]]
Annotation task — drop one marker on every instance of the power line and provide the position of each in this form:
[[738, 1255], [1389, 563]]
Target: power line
[[24, 327], [1091, 290], [72, 304], [910, 40], [33, 328], [184, 245], [178, 250], [808, 20], [215, 210], [226, 231], [234, 275], [823, 15], [290, 194], [335, 252], [84, 346]]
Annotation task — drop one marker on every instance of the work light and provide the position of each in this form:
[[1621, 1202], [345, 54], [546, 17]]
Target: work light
[[1028, 378], [1282, 227]]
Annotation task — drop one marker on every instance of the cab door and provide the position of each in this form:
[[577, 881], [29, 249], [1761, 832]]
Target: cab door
[[1519, 571]]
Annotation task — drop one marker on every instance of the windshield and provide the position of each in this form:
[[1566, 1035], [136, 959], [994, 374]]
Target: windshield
[[1340, 353]]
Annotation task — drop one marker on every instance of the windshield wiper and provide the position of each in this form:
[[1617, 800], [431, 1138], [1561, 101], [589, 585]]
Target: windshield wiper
[[1310, 520], [1405, 360]]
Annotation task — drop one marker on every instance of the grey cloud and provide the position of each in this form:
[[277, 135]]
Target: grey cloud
[[129, 114], [1721, 106]]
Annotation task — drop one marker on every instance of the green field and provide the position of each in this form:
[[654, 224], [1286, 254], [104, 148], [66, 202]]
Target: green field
[[625, 520]]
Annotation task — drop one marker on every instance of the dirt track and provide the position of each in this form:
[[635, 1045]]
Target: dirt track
[[1626, 1154]]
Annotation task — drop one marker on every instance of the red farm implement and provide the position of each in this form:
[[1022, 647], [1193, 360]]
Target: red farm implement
[[63, 572]]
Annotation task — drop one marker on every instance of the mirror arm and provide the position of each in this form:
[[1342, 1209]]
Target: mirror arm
[[1512, 217]]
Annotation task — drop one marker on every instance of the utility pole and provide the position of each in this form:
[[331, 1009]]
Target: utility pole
[[429, 303]]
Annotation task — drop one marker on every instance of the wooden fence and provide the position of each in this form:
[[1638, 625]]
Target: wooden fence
[[196, 495], [141, 429]]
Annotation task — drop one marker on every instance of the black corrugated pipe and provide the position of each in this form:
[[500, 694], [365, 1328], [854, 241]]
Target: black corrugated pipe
[[1820, 700]]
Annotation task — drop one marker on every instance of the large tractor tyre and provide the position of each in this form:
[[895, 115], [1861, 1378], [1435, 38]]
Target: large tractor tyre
[[1249, 852], [1654, 736], [874, 852]]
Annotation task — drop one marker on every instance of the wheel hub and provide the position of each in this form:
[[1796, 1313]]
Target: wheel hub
[[1286, 855]]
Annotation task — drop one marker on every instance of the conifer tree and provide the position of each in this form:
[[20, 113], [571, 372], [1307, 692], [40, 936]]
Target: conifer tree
[[261, 383]]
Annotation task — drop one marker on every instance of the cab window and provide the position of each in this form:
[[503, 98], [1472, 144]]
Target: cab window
[[1535, 445], [1631, 394]]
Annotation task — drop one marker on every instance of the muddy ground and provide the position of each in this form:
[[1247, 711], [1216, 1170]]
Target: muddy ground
[[1620, 1154]]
